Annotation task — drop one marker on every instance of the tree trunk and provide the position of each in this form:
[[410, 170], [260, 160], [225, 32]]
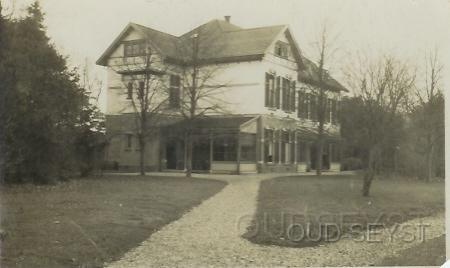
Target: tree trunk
[[142, 144], [319, 156], [321, 113], [429, 158], [367, 182], [188, 155], [369, 174]]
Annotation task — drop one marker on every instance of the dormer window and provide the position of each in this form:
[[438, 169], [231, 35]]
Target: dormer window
[[282, 49], [134, 48]]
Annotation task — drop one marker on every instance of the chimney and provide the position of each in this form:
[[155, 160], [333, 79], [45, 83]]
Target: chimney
[[227, 18]]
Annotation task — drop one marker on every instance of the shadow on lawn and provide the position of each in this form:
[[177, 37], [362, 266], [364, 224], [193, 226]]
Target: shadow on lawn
[[306, 211]]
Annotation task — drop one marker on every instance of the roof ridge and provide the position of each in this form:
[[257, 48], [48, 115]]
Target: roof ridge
[[149, 28], [257, 28], [197, 27]]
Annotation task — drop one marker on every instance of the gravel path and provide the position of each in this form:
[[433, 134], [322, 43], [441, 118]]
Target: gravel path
[[210, 236]]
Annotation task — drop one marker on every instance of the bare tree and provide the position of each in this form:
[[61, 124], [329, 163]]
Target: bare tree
[[202, 92], [428, 114], [381, 90], [325, 51], [91, 83], [144, 76]]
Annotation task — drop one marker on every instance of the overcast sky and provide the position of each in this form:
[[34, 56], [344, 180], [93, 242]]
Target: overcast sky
[[83, 29]]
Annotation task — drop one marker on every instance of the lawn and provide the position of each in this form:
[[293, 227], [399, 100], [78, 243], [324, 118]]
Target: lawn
[[428, 253], [84, 223], [295, 211]]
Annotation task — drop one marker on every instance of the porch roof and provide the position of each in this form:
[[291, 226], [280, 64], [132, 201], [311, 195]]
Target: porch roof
[[210, 124]]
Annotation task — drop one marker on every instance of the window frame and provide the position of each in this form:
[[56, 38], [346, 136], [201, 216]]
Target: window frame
[[129, 141], [130, 90], [270, 90], [174, 89], [269, 144], [134, 48], [281, 49], [225, 148]]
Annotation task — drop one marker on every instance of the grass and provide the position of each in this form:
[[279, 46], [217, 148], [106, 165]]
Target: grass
[[85, 223], [428, 253], [290, 206]]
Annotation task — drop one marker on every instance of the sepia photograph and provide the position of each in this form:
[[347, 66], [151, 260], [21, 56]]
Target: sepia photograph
[[214, 133]]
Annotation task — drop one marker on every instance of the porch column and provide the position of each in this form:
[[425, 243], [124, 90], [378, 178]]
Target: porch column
[[162, 152], [295, 148], [280, 145], [238, 157], [308, 155], [330, 148], [211, 150], [185, 153]]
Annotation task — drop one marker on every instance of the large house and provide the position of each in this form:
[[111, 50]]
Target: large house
[[271, 120]]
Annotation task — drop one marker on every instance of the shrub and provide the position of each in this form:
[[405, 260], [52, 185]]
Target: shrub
[[351, 163]]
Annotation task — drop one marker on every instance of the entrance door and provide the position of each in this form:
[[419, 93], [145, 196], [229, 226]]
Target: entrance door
[[171, 156], [175, 154]]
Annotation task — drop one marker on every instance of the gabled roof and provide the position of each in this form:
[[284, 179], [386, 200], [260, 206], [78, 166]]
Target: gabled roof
[[220, 41], [164, 42], [310, 75]]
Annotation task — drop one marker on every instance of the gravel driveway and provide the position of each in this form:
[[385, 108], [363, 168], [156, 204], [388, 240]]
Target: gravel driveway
[[210, 236]]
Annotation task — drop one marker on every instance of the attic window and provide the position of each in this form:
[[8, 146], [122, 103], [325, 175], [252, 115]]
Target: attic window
[[134, 48], [281, 49]]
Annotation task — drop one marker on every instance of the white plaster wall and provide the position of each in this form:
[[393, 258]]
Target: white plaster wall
[[302, 167], [231, 167], [244, 91], [335, 166]]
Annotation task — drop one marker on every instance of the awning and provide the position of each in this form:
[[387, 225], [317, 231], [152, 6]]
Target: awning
[[210, 124]]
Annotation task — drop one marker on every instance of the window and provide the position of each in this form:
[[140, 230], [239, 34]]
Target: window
[[225, 148], [129, 141], [292, 141], [268, 145], [276, 146], [174, 91], [292, 97], [141, 91], [130, 90], [248, 147], [328, 111], [334, 115], [313, 107], [134, 48], [277, 92], [270, 91], [335, 152], [286, 92], [285, 147], [301, 150], [288, 95], [281, 49]]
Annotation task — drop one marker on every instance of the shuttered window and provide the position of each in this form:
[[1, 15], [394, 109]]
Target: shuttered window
[[130, 90], [312, 107], [328, 111], [174, 91], [277, 93], [292, 97], [334, 115], [270, 91]]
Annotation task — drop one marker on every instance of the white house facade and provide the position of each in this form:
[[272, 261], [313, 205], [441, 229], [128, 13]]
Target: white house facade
[[270, 119]]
